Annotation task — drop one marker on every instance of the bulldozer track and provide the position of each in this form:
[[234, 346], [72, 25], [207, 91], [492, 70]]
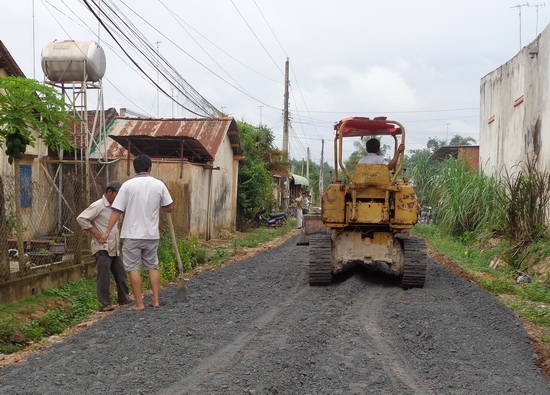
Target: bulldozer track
[[414, 271], [320, 256]]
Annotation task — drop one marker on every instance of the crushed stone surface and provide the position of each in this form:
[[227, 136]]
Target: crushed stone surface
[[257, 327]]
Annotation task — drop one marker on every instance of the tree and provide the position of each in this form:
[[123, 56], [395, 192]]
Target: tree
[[28, 107], [255, 172], [459, 140], [359, 151]]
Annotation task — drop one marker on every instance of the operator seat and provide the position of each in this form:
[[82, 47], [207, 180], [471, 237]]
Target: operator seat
[[370, 181]]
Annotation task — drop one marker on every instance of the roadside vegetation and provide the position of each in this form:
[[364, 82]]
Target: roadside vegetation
[[494, 229], [28, 321]]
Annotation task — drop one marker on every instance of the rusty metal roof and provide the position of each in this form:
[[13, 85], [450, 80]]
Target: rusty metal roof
[[196, 140], [449, 150], [8, 63]]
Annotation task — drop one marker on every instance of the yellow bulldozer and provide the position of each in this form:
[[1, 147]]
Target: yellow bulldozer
[[367, 214]]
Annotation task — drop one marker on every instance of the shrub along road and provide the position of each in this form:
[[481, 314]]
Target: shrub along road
[[257, 327]]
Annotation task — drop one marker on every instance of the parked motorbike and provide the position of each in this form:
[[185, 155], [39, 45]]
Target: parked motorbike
[[426, 214], [272, 219]]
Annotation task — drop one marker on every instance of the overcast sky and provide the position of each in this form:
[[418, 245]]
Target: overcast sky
[[418, 62]]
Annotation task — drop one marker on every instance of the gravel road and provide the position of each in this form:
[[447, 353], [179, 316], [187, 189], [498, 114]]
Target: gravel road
[[257, 327]]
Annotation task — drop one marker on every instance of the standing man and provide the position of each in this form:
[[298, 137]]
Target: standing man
[[299, 210], [141, 199], [107, 255], [306, 199]]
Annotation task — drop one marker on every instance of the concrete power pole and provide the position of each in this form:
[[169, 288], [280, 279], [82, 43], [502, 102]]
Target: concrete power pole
[[285, 180], [321, 180], [307, 163]]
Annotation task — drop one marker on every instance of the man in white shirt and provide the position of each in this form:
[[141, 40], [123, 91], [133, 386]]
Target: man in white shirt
[[299, 210], [306, 199], [141, 199], [375, 158]]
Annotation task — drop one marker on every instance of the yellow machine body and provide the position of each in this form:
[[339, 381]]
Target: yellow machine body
[[368, 214]]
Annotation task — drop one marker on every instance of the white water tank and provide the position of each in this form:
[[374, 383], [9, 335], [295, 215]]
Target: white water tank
[[65, 61]]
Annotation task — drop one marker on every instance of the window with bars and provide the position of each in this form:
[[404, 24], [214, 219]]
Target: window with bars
[[26, 185]]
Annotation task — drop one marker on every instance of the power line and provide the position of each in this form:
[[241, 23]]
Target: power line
[[82, 23], [108, 30], [257, 38], [180, 20]]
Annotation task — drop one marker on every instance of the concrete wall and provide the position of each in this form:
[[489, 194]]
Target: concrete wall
[[514, 113], [205, 197], [19, 288], [40, 216], [470, 155], [224, 190]]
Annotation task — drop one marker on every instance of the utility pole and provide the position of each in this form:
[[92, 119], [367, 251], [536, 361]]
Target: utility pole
[[321, 180], [286, 181], [172, 96], [537, 22], [307, 163], [260, 115]]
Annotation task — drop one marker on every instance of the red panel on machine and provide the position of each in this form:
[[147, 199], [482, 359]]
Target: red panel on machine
[[361, 126]]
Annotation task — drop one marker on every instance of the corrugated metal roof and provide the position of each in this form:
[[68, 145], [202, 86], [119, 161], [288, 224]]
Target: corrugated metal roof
[[299, 180], [449, 150], [79, 137], [195, 140]]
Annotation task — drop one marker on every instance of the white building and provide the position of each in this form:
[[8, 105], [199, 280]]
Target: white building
[[514, 111]]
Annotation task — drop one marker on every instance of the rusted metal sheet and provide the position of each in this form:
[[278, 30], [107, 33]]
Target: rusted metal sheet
[[195, 140]]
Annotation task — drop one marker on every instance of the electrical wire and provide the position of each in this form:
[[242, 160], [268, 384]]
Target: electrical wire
[[138, 66], [257, 38], [180, 20], [85, 25], [117, 24]]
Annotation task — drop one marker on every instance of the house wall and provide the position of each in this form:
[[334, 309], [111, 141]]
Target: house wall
[[204, 198], [224, 183], [41, 216], [514, 111], [471, 155]]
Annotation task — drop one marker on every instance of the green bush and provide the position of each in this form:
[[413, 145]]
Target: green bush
[[33, 331], [55, 321]]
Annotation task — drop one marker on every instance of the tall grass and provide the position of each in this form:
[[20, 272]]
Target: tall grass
[[471, 207], [468, 200], [525, 202], [424, 180]]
